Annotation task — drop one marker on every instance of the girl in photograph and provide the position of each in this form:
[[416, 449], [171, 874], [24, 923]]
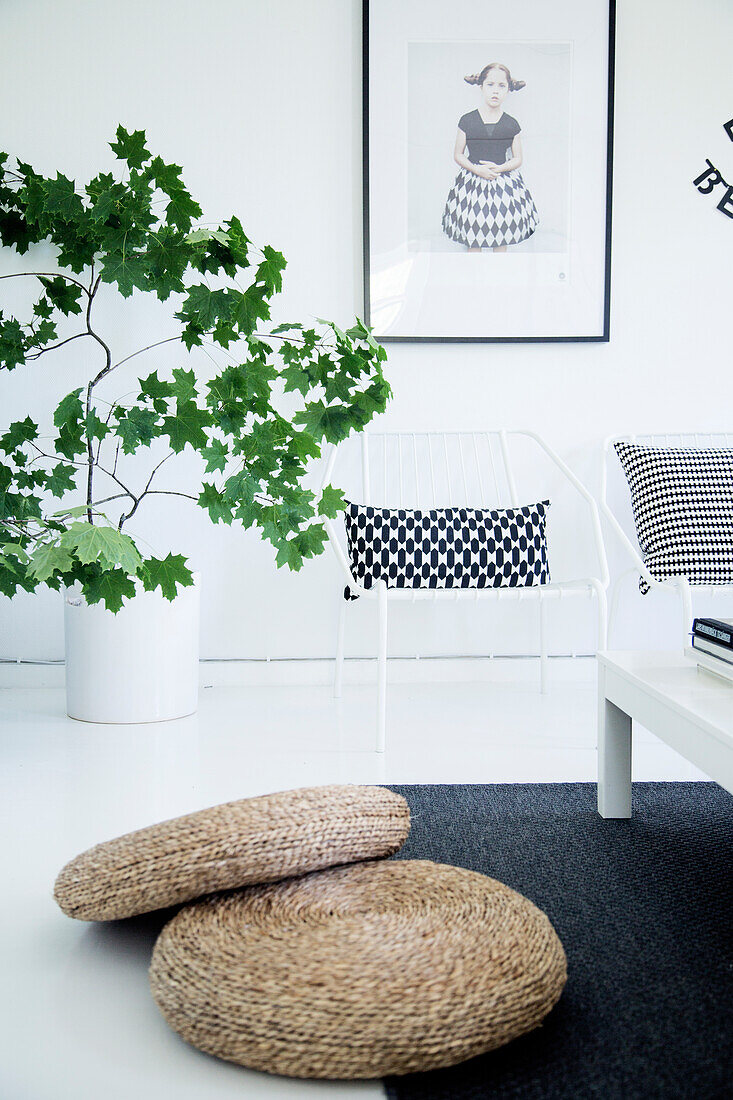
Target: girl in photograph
[[489, 205]]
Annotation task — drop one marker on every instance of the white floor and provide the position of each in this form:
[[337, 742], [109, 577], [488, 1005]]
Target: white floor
[[76, 1018]]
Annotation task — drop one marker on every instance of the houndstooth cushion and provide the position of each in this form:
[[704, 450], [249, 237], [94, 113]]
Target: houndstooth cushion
[[448, 547], [683, 510]]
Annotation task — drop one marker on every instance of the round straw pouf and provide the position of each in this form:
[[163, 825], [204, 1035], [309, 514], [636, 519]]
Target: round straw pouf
[[254, 840], [362, 971]]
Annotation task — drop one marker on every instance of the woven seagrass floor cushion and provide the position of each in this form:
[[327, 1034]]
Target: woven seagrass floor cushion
[[363, 971], [253, 840]]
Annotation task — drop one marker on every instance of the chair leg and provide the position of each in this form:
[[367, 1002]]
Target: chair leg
[[604, 641], [684, 590], [604, 625], [543, 646], [339, 668], [382, 670]]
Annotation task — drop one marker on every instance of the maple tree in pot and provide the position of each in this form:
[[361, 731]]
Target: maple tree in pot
[[137, 232]]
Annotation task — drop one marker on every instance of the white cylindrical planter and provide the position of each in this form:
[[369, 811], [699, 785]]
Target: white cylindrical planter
[[140, 665]]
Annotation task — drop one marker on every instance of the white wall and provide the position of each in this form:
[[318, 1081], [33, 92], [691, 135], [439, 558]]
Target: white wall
[[260, 101]]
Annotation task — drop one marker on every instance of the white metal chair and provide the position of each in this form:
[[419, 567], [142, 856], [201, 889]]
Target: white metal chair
[[616, 508], [456, 469]]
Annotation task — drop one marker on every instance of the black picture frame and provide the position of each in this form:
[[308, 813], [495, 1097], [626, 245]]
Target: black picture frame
[[603, 336]]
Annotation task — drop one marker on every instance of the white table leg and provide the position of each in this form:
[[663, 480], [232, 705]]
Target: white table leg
[[614, 757]]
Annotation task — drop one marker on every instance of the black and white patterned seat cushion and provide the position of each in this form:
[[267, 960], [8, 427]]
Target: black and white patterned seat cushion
[[682, 499], [447, 547]]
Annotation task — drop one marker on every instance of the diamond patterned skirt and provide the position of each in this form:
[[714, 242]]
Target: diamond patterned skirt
[[485, 213]]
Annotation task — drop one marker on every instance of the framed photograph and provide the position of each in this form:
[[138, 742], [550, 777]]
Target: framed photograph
[[488, 133]]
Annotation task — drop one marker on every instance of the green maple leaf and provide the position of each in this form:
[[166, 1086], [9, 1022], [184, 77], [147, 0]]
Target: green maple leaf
[[155, 388], [19, 432], [48, 559], [251, 308], [18, 507], [43, 307], [296, 379], [374, 398], [61, 198], [111, 586], [104, 546], [61, 479], [192, 335], [15, 232], [201, 236], [69, 410], [94, 427], [226, 398], [167, 259], [164, 283], [14, 576], [106, 202], [130, 147], [224, 334], [12, 343], [303, 445], [29, 479], [359, 331], [269, 272], [312, 540], [237, 242], [216, 455], [204, 306], [181, 209], [258, 374], [33, 196], [76, 242], [241, 487], [274, 524], [186, 425], [44, 334], [248, 512], [184, 384], [100, 183], [331, 502], [166, 574], [167, 176], [333, 422], [70, 441], [127, 269], [14, 558], [133, 212], [136, 427], [289, 554], [215, 504], [63, 295]]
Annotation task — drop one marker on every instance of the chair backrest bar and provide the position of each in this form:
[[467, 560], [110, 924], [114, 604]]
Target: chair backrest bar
[[437, 469]]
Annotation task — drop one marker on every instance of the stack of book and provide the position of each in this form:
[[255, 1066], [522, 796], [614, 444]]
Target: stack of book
[[712, 645]]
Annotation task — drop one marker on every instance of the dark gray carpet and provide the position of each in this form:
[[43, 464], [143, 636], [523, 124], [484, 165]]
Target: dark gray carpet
[[643, 908]]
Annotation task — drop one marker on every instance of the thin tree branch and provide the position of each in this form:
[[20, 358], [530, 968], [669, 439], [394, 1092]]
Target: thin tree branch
[[52, 347], [47, 275], [55, 458], [169, 493], [124, 518], [168, 340], [105, 370], [105, 500], [128, 492]]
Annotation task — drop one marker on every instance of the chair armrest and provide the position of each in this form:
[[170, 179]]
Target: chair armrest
[[600, 546], [338, 549]]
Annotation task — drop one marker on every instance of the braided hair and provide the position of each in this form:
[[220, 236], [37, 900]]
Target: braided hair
[[479, 78]]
